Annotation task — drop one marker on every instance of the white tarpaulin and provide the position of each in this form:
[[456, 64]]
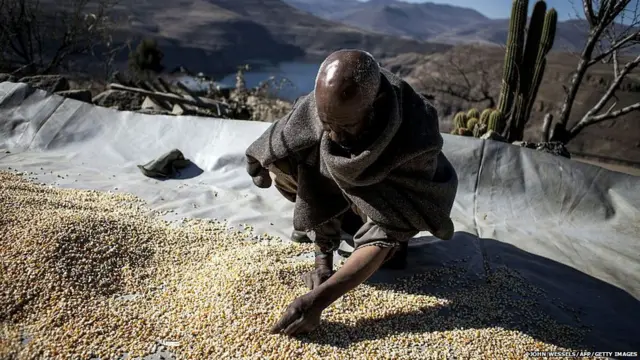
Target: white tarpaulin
[[570, 228]]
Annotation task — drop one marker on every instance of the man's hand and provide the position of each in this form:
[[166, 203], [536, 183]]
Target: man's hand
[[316, 277], [259, 174], [302, 316]]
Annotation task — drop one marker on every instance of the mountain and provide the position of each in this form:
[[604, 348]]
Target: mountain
[[217, 35], [430, 22], [570, 35], [414, 20]]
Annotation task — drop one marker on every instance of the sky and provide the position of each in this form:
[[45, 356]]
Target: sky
[[502, 8]]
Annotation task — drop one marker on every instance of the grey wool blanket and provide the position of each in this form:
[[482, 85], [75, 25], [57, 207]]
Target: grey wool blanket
[[402, 182]]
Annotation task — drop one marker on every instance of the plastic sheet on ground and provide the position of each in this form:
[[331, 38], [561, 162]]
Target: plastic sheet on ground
[[571, 229]]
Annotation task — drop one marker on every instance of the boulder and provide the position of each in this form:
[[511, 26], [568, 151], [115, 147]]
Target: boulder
[[80, 95], [117, 99], [49, 83], [492, 135], [7, 77]]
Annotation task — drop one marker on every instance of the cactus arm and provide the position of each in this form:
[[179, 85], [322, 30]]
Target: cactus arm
[[527, 68], [546, 43], [513, 55]]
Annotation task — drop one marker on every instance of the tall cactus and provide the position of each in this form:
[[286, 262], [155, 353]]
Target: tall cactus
[[524, 64], [546, 43], [513, 55], [529, 61]]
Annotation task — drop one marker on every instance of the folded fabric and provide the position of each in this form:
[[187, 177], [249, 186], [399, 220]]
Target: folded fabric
[[166, 166]]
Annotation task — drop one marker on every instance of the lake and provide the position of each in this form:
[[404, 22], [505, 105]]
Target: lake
[[302, 76]]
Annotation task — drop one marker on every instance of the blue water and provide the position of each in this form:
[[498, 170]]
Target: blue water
[[301, 75]]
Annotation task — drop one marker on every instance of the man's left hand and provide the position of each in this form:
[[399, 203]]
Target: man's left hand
[[302, 316]]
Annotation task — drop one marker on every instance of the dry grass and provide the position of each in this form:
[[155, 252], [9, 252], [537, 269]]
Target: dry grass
[[86, 274]]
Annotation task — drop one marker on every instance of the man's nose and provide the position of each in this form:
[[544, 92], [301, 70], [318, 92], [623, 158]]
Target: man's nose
[[337, 136]]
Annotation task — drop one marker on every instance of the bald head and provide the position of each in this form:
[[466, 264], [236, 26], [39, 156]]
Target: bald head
[[345, 90]]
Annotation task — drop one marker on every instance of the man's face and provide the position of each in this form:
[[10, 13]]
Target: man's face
[[347, 125]]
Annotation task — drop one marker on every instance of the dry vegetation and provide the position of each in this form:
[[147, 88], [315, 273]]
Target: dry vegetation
[[614, 140], [92, 275]]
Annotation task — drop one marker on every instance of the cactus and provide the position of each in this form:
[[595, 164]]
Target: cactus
[[513, 55], [460, 120], [484, 117], [465, 132], [524, 63], [471, 123], [496, 121], [530, 64], [546, 43], [473, 113]]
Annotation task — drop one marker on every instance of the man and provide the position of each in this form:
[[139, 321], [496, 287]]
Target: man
[[362, 142]]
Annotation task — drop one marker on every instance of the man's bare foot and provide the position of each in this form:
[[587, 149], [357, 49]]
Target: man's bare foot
[[300, 237]]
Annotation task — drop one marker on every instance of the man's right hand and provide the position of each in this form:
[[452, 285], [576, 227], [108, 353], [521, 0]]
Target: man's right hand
[[259, 174]]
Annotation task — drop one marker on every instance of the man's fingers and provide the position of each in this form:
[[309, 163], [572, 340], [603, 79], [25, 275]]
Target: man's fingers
[[317, 281], [294, 327], [308, 280], [285, 320]]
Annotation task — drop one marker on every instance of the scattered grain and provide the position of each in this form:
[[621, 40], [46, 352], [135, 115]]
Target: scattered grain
[[87, 274]]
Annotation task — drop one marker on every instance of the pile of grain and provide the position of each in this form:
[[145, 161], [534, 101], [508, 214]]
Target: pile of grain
[[86, 274]]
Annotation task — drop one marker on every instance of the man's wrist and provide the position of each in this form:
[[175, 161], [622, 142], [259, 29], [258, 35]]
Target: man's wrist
[[320, 298], [324, 261]]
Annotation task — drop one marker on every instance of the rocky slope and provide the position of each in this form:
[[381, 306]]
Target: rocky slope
[[217, 35], [611, 140], [412, 20]]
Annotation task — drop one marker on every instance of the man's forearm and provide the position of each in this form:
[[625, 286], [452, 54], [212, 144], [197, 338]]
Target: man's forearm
[[363, 263]]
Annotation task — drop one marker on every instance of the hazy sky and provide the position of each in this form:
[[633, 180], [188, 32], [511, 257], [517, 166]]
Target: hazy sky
[[502, 8]]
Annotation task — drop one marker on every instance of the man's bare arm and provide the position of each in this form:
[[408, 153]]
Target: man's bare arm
[[363, 263]]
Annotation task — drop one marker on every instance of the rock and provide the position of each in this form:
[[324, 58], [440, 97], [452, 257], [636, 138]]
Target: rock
[[150, 105], [525, 144], [49, 83], [179, 109], [492, 135], [121, 100], [7, 77], [80, 95], [554, 148]]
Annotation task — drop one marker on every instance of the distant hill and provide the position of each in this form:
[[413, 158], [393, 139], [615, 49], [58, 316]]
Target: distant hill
[[430, 22], [413, 20], [217, 35]]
